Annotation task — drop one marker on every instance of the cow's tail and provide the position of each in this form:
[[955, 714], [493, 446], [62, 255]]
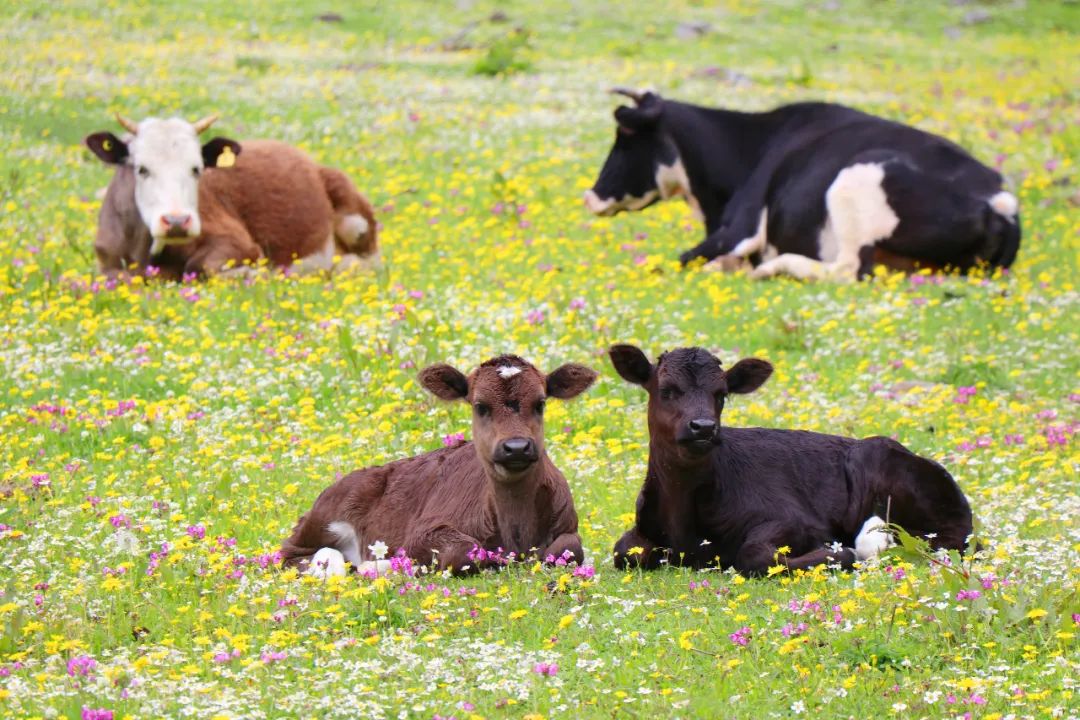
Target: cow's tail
[[1001, 218], [354, 218]]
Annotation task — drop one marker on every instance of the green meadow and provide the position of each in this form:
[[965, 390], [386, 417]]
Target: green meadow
[[158, 441]]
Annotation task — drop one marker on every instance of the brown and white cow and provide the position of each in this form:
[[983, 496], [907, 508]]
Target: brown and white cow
[[450, 507], [189, 208]]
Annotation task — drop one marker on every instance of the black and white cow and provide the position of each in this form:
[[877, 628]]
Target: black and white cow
[[813, 190]]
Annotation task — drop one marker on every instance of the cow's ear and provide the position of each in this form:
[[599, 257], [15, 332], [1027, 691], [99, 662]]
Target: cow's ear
[[748, 375], [220, 152], [569, 381], [445, 382], [107, 147], [635, 119], [631, 364]]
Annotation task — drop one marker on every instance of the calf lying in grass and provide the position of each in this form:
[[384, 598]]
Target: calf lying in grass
[[733, 497], [450, 507]]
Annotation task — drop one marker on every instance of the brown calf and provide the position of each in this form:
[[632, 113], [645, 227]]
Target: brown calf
[[499, 491], [186, 208], [733, 496]]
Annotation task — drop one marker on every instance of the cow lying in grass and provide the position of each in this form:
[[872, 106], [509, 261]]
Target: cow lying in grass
[[190, 209], [812, 190], [732, 497], [499, 491]]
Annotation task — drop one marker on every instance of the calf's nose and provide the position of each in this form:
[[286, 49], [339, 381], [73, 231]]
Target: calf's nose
[[518, 448], [702, 427]]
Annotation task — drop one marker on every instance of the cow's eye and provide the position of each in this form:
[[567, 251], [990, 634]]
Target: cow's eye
[[669, 392], [483, 409], [540, 407], [143, 171], [196, 171]]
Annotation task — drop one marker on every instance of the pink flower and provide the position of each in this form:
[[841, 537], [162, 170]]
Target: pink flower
[[81, 666], [96, 714], [740, 637], [548, 669]]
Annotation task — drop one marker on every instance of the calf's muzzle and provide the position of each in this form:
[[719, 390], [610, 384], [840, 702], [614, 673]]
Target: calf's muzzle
[[516, 454]]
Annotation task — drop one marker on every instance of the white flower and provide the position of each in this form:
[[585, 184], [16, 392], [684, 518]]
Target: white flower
[[378, 549], [798, 707]]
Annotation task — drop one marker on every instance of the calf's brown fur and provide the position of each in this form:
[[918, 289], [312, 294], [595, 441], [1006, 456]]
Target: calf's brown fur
[[500, 490]]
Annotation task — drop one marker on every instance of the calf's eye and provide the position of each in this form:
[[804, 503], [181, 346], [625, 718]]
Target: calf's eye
[[143, 171], [540, 407], [483, 409], [196, 171], [669, 393]]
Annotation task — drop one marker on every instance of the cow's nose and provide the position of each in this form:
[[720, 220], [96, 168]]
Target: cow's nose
[[177, 221], [702, 427], [518, 448]]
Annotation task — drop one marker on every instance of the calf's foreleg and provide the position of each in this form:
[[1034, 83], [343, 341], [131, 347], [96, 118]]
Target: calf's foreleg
[[634, 550], [759, 553], [567, 542]]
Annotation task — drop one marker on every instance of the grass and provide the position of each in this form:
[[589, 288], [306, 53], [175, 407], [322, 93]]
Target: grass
[[204, 419]]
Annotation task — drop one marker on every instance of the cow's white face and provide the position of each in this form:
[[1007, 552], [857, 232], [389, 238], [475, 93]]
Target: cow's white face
[[167, 159]]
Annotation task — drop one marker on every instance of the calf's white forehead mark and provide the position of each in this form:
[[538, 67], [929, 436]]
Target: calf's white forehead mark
[[1005, 203], [508, 371]]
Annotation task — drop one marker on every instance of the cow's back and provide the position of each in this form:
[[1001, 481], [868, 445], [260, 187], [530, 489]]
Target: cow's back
[[276, 192]]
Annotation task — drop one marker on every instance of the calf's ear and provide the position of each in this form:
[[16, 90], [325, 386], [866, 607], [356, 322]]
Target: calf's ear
[[220, 152], [569, 381], [631, 363], [748, 375], [107, 147], [445, 382]]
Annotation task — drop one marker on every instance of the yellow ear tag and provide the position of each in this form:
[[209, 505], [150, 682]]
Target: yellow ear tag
[[227, 158], [106, 145]]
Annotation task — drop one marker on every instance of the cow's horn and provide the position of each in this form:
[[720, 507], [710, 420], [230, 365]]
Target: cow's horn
[[131, 127], [203, 123], [634, 95]]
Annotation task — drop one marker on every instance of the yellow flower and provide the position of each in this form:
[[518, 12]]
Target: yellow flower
[[1036, 614], [518, 614]]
